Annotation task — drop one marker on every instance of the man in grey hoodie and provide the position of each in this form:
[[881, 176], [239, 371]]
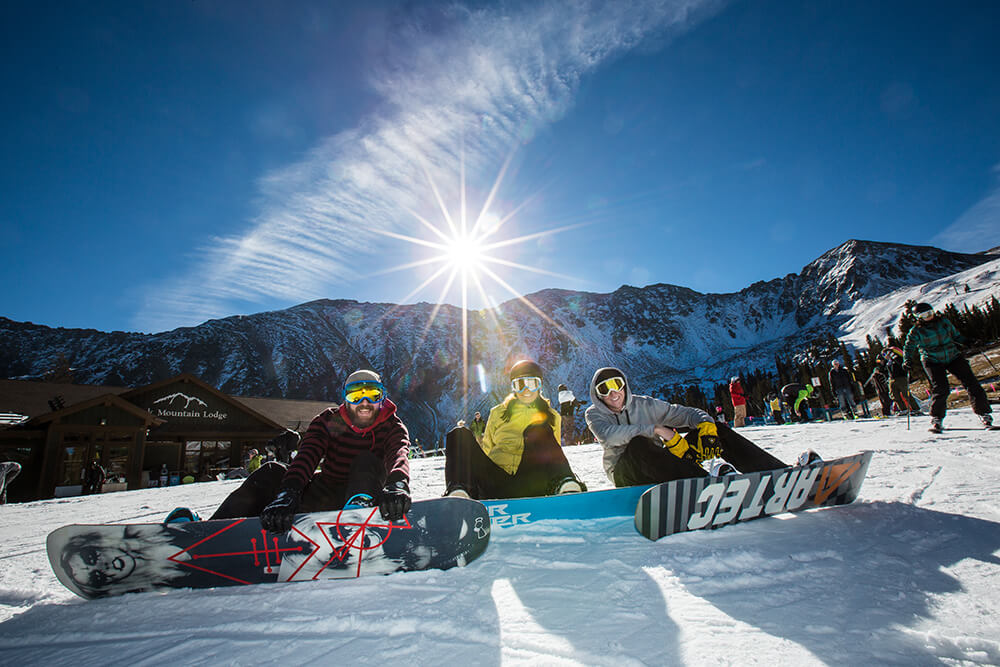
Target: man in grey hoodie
[[642, 440]]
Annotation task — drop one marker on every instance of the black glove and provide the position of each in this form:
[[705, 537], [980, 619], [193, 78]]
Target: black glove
[[710, 447], [395, 500], [277, 517]]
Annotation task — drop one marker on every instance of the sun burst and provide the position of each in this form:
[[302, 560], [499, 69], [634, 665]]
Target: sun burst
[[463, 255]]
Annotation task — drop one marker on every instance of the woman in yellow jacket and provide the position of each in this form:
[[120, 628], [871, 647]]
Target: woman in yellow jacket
[[520, 455]]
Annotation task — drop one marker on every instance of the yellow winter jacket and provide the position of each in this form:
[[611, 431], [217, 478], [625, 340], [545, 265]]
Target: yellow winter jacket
[[503, 441]]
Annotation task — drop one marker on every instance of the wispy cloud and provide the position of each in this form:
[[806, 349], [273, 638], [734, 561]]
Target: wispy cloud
[[979, 227], [487, 81]]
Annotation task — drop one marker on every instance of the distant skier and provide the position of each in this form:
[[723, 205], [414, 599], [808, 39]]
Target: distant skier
[[93, 478], [284, 445], [520, 454], [775, 403], [477, 426], [899, 381], [642, 438], [880, 380], [936, 341], [739, 400], [254, 461], [796, 396], [8, 471], [720, 415], [842, 383], [361, 449], [568, 403]]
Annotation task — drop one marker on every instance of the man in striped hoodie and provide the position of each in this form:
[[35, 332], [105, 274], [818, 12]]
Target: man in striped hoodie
[[360, 448]]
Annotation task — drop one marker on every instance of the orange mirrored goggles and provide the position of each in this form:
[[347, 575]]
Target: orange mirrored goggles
[[611, 384], [356, 392], [526, 384]]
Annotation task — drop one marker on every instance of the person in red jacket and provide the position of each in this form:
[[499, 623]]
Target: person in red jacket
[[739, 402], [361, 448]]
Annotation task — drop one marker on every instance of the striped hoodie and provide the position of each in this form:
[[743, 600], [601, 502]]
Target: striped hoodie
[[333, 440]]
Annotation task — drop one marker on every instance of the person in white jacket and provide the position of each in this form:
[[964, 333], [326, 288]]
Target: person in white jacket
[[649, 441]]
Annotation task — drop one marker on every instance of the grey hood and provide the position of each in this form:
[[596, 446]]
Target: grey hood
[[640, 415]]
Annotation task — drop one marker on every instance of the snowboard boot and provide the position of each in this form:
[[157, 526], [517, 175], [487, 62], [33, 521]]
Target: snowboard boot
[[720, 468], [808, 457], [987, 421], [358, 501], [936, 426], [569, 485], [457, 492], [181, 515]]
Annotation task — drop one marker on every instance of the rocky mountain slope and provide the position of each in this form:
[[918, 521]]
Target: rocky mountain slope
[[659, 334]]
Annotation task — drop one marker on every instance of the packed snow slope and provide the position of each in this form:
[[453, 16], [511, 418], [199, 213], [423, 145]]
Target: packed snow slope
[[907, 575]]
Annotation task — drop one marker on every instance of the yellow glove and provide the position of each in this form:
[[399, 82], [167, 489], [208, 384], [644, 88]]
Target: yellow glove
[[708, 441], [681, 448], [707, 428]]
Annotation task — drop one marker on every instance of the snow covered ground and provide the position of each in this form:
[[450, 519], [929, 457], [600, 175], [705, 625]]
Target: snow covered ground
[[909, 574]]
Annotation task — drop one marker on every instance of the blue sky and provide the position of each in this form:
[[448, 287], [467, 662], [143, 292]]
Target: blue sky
[[169, 162]]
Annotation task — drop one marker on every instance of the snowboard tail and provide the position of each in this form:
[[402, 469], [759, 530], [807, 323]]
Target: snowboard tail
[[711, 502], [102, 560]]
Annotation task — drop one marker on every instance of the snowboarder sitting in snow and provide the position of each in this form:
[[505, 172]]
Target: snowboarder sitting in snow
[[642, 440], [936, 339], [796, 397], [362, 446], [520, 454]]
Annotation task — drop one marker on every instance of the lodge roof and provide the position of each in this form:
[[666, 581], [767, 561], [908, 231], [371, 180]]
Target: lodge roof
[[31, 398]]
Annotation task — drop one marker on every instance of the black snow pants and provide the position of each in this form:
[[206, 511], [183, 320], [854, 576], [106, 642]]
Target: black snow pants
[[367, 475]]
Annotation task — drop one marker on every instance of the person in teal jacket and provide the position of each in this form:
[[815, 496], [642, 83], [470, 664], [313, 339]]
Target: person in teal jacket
[[936, 341]]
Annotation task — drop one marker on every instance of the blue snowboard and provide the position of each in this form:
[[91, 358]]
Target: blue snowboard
[[609, 503]]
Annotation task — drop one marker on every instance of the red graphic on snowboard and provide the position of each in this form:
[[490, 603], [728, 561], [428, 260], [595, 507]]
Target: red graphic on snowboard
[[343, 537]]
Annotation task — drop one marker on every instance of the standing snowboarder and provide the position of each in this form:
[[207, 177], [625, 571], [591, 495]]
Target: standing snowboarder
[[739, 400], [842, 383], [899, 379], [568, 403], [642, 439], [93, 478], [478, 427], [796, 396], [8, 471], [880, 381], [936, 341]]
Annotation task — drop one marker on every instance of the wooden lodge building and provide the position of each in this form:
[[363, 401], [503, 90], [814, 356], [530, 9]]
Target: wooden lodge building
[[55, 430]]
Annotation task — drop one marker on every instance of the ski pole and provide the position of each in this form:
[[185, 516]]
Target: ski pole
[[990, 362], [909, 409]]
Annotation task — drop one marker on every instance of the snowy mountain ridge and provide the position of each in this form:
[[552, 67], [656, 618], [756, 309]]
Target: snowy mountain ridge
[[659, 333]]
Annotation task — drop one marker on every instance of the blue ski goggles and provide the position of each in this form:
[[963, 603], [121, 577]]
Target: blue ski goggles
[[373, 392], [520, 385]]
